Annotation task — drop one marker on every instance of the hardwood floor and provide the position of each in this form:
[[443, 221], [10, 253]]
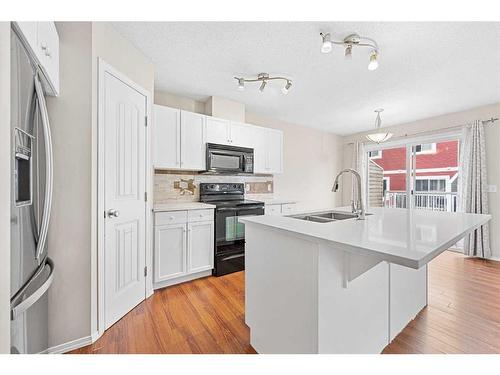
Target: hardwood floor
[[207, 316], [463, 312]]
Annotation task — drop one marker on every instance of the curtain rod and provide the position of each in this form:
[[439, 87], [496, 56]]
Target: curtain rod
[[485, 122]]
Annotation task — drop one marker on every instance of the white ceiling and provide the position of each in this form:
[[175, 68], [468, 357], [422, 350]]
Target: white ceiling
[[426, 69]]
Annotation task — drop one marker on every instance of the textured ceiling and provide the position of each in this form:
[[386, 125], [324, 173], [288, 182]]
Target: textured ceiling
[[426, 69]]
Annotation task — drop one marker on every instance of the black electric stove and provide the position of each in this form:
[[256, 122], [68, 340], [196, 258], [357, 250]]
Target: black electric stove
[[229, 200]]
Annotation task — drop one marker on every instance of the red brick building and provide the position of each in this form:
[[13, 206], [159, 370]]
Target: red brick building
[[437, 167]]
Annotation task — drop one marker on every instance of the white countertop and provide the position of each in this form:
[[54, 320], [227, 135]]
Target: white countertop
[[410, 238], [181, 206]]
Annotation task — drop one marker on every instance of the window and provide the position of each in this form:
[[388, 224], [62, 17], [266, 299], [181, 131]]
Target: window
[[375, 154], [428, 148], [429, 184]]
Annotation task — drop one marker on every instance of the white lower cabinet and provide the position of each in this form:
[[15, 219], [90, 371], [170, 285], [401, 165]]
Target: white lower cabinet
[[200, 254], [170, 251], [277, 209], [184, 249]]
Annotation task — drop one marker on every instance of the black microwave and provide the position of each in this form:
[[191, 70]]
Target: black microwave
[[229, 159]]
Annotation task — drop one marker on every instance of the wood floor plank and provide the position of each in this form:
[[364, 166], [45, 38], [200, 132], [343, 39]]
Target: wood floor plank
[[207, 316]]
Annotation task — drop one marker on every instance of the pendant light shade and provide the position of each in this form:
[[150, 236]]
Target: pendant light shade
[[380, 136]]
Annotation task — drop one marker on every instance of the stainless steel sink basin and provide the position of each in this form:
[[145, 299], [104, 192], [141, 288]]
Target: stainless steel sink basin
[[337, 215], [325, 217]]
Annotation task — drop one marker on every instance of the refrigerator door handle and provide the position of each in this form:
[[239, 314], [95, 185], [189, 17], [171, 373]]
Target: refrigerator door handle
[[44, 226], [25, 304]]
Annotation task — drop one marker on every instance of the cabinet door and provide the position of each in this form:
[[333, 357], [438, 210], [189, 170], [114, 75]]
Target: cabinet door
[[288, 208], [193, 151], [273, 209], [166, 137], [243, 135], [48, 52], [170, 251], [260, 150], [218, 131], [274, 151], [200, 246], [30, 33]]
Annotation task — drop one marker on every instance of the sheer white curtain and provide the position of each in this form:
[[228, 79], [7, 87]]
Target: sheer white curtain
[[474, 195]]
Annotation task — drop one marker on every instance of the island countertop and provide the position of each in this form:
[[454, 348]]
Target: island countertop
[[410, 238]]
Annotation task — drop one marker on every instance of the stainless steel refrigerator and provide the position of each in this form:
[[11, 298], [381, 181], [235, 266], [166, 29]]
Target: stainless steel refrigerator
[[31, 194]]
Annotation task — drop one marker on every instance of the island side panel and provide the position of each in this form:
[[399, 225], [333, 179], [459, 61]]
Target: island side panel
[[352, 319], [281, 279], [408, 296]]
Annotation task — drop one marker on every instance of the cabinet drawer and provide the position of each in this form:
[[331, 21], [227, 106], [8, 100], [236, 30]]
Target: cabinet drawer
[[170, 217], [287, 208], [200, 215], [273, 209]]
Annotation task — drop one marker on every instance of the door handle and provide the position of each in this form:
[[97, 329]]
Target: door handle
[[113, 213]]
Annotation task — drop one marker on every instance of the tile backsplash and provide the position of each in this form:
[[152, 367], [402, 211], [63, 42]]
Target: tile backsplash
[[185, 186]]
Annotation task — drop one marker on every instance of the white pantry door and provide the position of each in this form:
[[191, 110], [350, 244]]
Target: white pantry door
[[124, 197]]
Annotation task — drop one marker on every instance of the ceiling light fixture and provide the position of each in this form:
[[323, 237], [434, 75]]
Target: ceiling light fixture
[[285, 89], [350, 41], [348, 52], [373, 61], [263, 78], [326, 45], [379, 137], [241, 84]]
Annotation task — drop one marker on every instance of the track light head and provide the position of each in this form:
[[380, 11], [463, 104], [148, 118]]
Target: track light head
[[326, 43], [373, 61], [348, 52], [263, 85], [285, 89], [241, 84]]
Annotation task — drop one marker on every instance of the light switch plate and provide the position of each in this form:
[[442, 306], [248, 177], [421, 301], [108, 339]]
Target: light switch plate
[[492, 188]]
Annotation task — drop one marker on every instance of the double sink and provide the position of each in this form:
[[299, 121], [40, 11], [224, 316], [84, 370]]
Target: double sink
[[326, 217]]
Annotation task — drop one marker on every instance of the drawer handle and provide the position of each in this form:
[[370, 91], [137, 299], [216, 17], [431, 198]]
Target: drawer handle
[[171, 218]]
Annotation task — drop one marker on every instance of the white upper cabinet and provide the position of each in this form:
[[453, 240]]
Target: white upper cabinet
[[179, 140], [268, 151], [193, 136], [166, 138], [218, 131], [243, 135], [43, 44], [48, 52]]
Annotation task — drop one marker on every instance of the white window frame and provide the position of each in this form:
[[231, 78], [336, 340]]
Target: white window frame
[[408, 142], [427, 152], [378, 156], [442, 177]]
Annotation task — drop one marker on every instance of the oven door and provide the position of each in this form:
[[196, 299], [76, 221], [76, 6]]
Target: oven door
[[229, 232]]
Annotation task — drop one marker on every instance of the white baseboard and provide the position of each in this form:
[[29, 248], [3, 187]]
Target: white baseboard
[[69, 346]]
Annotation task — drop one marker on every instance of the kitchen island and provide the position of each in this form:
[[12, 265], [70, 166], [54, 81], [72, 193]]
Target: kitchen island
[[344, 286]]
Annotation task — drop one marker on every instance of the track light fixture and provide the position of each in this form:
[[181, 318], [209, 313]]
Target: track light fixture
[[350, 41], [263, 78]]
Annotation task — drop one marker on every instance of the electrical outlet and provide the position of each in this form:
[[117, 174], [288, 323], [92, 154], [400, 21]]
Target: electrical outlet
[[492, 188]]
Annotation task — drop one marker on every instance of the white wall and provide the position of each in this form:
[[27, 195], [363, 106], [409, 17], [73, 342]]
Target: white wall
[[311, 159], [69, 239], [5, 187], [435, 124]]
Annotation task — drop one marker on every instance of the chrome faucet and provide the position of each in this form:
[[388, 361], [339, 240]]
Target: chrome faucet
[[356, 206]]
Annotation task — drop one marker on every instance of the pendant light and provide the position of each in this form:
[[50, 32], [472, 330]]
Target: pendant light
[[379, 137]]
